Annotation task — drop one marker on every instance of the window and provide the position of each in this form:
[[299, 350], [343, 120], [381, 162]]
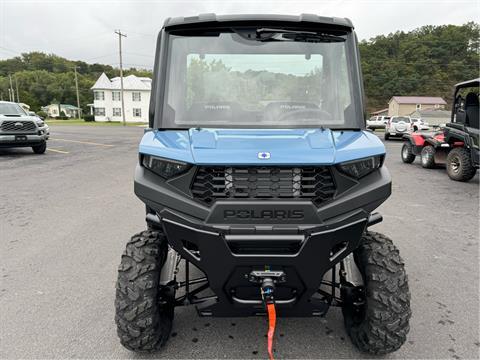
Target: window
[[116, 96], [100, 111], [11, 109], [117, 112], [437, 106], [137, 112], [400, 118], [136, 96], [227, 80], [99, 95], [419, 106]]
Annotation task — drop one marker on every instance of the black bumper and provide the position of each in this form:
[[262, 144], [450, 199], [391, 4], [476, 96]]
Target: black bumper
[[232, 238], [21, 140]]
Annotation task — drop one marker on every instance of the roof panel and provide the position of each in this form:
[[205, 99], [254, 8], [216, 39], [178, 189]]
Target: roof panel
[[213, 18], [130, 82]]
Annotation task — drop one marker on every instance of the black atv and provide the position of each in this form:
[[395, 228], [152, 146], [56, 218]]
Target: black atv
[[462, 134], [258, 173]]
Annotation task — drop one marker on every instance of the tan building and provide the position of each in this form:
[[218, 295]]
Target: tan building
[[405, 105], [432, 116]]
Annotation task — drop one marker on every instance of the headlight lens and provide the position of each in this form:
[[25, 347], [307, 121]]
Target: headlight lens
[[40, 123], [165, 168], [360, 168]]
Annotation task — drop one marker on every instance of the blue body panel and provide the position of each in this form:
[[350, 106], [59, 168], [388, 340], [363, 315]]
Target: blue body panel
[[242, 146]]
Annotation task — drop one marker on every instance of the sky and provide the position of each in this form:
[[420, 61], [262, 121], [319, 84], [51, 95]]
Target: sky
[[84, 30]]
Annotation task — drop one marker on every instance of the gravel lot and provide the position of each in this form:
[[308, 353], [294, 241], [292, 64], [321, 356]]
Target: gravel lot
[[65, 217]]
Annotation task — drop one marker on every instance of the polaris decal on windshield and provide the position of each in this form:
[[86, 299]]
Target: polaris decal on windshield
[[216, 107]]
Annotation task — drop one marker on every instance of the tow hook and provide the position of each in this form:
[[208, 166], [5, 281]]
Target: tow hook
[[268, 280]]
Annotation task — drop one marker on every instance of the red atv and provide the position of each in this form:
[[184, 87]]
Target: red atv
[[457, 145], [431, 147]]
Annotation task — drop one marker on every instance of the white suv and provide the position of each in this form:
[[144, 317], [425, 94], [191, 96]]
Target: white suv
[[377, 122], [419, 124], [398, 126]]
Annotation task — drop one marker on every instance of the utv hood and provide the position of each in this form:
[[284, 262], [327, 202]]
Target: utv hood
[[261, 147]]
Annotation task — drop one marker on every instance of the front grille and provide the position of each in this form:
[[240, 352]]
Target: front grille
[[18, 126], [221, 182]]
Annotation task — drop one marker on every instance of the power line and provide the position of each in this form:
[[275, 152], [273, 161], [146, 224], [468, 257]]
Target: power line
[[99, 57], [137, 54], [9, 50]]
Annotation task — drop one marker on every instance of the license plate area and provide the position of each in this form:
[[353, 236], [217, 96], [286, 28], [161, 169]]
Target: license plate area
[[20, 137]]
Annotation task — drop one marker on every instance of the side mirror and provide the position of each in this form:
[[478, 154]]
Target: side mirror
[[31, 113]]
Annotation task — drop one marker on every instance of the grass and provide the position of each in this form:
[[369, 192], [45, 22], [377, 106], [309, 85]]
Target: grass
[[90, 123]]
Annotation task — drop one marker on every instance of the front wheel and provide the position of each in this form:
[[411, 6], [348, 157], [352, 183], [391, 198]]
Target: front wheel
[[427, 157], [407, 153], [386, 136], [143, 309], [40, 149], [381, 325], [459, 165]]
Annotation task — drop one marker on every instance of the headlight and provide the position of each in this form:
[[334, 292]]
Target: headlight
[[361, 168], [40, 123], [165, 168]]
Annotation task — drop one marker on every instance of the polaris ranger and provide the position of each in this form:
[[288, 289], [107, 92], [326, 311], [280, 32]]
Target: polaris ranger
[[257, 170]]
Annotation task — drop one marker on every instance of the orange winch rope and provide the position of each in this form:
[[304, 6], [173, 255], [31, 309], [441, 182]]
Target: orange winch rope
[[272, 319]]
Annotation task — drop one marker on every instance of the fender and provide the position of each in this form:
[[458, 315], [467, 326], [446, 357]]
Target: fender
[[417, 141]]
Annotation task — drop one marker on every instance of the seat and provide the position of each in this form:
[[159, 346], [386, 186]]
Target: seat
[[471, 110]]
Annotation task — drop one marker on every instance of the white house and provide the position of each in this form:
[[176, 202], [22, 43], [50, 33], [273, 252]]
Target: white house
[[107, 98], [56, 110]]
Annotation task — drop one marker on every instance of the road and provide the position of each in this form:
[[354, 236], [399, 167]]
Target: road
[[65, 217]]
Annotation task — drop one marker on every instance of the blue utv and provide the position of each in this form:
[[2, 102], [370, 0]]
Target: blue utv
[[260, 184]]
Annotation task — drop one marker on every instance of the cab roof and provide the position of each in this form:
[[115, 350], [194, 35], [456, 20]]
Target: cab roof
[[213, 19], [468, 83]]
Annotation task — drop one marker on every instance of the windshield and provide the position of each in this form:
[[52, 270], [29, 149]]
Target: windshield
[[233, 79], [11, 109]]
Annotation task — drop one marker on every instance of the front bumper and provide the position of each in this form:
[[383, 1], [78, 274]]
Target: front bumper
[[227, 248], [21, 140]]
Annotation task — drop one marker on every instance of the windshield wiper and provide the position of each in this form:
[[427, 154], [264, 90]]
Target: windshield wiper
[[296, 35]]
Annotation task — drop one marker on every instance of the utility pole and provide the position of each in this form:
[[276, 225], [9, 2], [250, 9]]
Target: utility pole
[[78, 96], [120, 35], [16, 85], [11, 89]]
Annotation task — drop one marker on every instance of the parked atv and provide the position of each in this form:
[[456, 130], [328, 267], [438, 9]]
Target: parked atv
[[426, 145], [257, 170], [455, 146]]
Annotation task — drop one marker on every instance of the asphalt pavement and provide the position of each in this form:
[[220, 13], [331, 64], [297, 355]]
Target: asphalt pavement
[[65, 217]]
